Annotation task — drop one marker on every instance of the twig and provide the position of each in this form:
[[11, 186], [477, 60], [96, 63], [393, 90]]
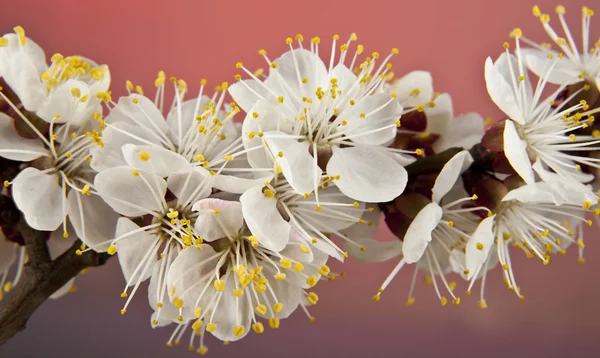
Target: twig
[[41, 278]]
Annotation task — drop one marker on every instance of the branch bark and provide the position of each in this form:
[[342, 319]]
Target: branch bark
[[41, 278]]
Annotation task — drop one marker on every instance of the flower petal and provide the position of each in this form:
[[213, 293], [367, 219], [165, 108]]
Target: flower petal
[[439, 116], [161, 162], [367, 174], [231, 311], [501, 91], [141, 111], [93, 220], [269, 118], [15, 147], [40, 199], [464, 131], [218, 219], [379, 111], [287, 293], [264, 220], [515, 150], [132, 250], [130, 192], [564, 71], [190, 185], [297, 164], [297, 64], [418, 235], [182, 116], [479, 245], [248, 92], [61, 107], [414, 88], [450, 174]]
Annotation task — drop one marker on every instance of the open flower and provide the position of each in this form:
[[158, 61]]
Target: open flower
[[533, 218], [167, 220], [536, 128], [573, 64], [71, 87], [276, 213], [312, 118], [439, 229], [231, 280], [197, 133]]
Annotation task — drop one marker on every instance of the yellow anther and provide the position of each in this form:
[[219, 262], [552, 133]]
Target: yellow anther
[[545, 18], [123, 312], [312, 280], [376, 298], [261, 309], [304, 249], [285, 263], [444, 301], [274, 322], [202, 350], [258, 328], [269, 193], [479, 246], [211, 327], [219, 285], [112, 249], [239, 331], [277, 307], [456, 301], [21, 34], [280, 99], [506, 45]]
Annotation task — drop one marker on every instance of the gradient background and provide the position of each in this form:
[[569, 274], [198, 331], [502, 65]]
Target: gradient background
[[196, 39]]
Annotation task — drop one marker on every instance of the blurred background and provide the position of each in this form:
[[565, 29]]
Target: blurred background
[[204, 39]]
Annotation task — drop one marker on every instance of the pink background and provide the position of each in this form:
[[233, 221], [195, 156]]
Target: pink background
[[204, 39]]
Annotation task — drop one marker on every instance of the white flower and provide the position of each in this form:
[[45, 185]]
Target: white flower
[[312, 118], [438, 229], [197, 133], [539, 129], [169, 225], [231, 280], [71, 87], [573, 64], [532, 218], [57, 183], [276, 213]]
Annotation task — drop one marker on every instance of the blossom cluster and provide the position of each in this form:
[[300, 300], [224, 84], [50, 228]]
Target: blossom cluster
[[232, 210]]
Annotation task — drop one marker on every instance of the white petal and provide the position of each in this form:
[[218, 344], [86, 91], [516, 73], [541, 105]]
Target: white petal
[[381, 110], [129, 194], [286, 291], [297, 164], [464, 131], [346, 80], [190, 185], [181, 117], [230, 312], [297, 64], [416, 80], [15, 147], [450, 174], [63, 290], [269, 119], [375, 251], [418, 235], [218, 219], [62, 103], [533, 193], [264, 220], [168, 312], [515, 150], [331, 219], [21, 68], [501, 91], [162, 162], [564, 71], [98, 222], [483, 235], [132, 249], [564, 188], [236, 185], [40, 199], [190, 267], [143, 113], [114, 137], [367, 174], [439, 117], [248, 92]]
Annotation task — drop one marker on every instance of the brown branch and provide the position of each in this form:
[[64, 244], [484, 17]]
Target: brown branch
[[41, 278]]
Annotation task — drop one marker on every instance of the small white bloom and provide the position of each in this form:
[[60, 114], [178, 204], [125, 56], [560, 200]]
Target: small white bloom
[[277, 213], [231, 280], [197, 133], [312, 118], [536, 128], [574, 64], [464, 131], [170, 225], [533, 218], [439, 229], [71, 87]]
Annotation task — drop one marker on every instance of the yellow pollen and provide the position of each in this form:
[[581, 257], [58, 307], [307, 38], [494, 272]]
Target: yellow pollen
[[112, 249]]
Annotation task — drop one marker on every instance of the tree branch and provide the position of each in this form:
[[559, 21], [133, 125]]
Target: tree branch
[[41, 278]]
